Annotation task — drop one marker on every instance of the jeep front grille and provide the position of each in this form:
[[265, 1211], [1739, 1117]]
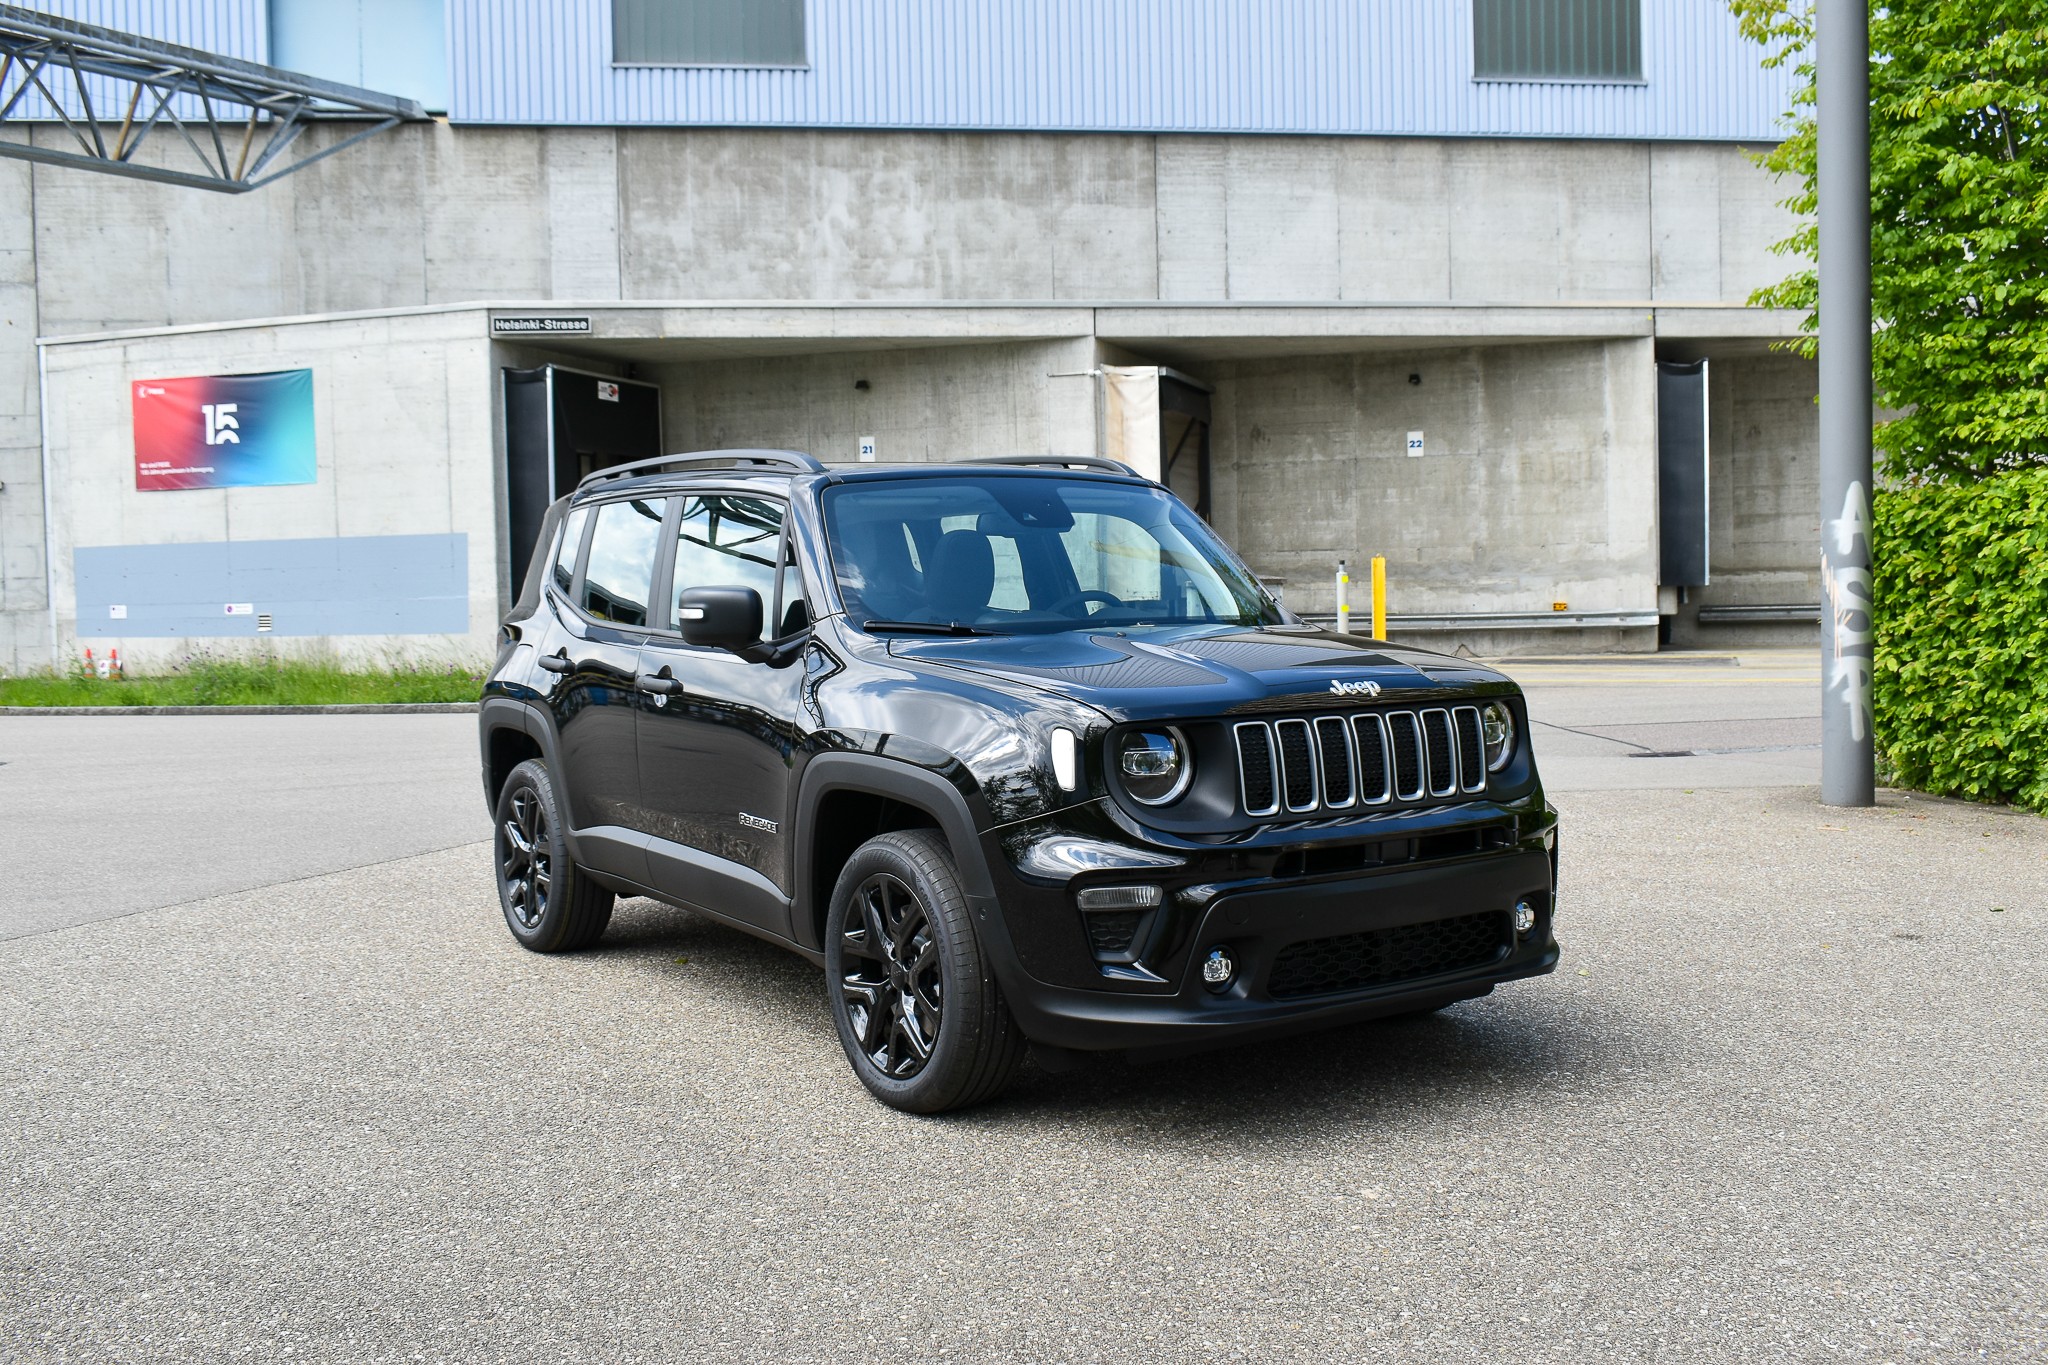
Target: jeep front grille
[[1374, 758]]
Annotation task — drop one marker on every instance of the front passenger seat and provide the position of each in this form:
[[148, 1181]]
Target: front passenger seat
[[961, 577]]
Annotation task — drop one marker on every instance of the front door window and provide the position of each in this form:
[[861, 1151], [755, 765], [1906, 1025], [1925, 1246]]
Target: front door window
[[726, 540]]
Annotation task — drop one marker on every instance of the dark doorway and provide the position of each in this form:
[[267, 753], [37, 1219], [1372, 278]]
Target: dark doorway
[[1682, 515], [561, 425], [1184, 439]]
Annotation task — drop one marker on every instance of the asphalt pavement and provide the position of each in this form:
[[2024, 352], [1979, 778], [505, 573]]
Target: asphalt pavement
[[1783, 1101], [102, 816], [1749, 719]]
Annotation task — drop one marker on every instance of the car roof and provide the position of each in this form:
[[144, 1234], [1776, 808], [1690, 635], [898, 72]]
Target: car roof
[[776, 470]]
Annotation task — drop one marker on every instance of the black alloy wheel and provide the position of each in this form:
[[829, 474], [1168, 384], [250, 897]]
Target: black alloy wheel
[[894, 992], [915, 1003], [525, 866], [550, 905]]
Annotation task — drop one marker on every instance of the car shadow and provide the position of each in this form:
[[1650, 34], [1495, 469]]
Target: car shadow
[[1527, 1041]]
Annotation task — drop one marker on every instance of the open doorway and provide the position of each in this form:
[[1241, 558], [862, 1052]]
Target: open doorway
[[1156, 420], [561, 425], [1184, 439]]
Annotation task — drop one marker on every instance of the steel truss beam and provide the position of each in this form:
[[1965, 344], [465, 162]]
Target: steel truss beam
[[248, 115]]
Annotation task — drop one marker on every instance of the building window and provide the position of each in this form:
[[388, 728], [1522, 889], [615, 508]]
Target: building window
[[1557, 40], [708, 33]]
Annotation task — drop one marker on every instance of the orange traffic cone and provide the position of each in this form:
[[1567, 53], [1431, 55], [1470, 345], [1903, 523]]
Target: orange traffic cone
[[90, 669], [115, 667]]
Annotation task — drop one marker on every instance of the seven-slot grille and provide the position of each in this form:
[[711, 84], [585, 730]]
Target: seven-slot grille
[[1373, 758]]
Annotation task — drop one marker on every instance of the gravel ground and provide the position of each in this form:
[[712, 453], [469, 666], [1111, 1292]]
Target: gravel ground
[[1783, 1101]]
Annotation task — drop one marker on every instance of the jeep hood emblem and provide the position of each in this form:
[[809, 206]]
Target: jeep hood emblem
[[1367, 688]]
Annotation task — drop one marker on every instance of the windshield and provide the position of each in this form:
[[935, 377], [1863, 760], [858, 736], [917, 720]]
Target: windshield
[[1006, 553]]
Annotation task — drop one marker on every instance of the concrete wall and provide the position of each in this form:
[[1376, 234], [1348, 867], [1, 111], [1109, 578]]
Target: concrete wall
[[923, 404], [402, 411], [1538, 484], [432, 214], [22, 600]]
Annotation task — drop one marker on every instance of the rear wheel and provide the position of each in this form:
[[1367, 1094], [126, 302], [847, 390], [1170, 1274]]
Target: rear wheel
[[550, 905], [918, 1011]]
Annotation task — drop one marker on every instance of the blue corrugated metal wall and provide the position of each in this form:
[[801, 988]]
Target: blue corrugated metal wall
[[1246, 66], [231, 28], [1223, 66]]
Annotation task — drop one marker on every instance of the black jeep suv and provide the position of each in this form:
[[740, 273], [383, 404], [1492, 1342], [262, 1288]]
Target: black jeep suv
[[1016, 750]]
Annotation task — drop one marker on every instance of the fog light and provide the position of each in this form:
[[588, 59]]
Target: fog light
[[1525, 917], [1218, 969]]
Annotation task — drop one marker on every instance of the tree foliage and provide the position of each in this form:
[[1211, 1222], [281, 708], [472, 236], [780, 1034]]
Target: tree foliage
[[1959, 224]]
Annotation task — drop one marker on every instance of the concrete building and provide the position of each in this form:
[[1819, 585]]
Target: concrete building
[[1407, 273]]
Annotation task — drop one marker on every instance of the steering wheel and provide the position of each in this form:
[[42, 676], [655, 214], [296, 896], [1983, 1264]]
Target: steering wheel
[[1075, 599]]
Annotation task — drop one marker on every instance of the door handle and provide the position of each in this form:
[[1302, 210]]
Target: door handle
[[557, 662], [660, 684]]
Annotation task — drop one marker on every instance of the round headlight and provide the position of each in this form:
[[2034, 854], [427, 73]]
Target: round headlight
[[1497, 729], [1154, 765]]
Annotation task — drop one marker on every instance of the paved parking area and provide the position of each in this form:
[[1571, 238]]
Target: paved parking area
[[103, 816], [1783, 1101], [1748, 719]]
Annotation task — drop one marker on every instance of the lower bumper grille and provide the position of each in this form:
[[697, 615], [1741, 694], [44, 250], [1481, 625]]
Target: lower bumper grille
[[1380, 957], [1111, 932]]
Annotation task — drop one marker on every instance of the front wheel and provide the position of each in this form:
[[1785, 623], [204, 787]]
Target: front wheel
[[918, 1011], [550, 905]]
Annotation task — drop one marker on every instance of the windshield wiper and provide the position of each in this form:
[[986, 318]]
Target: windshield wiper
[[925, 627]]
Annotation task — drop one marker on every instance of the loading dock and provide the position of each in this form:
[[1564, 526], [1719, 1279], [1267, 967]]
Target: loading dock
[[1286, 427]]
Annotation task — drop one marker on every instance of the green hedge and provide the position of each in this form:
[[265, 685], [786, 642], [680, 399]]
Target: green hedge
[[1960, 593]]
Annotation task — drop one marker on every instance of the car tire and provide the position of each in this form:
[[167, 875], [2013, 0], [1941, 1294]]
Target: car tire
[[550, 905], [919, 1013]]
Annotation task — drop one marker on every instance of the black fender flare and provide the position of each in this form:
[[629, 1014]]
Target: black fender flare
[[510, 713], [875, 776]]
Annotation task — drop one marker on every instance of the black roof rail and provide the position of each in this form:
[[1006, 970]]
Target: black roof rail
[[1060, 462], [793, 460]]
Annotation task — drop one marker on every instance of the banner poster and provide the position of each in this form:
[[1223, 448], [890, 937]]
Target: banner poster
[[224, 431]]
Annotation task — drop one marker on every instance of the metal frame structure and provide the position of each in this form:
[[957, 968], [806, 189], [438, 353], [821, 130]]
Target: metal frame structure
[[54, 57]]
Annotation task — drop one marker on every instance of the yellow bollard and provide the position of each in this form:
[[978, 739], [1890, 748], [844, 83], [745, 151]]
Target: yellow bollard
[[1379, 597]]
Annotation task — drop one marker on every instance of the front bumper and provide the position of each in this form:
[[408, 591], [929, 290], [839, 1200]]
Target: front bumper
[[1372, 921]]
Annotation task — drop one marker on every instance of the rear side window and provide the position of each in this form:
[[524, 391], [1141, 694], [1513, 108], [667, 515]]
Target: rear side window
[[618, 582], [564, 571]]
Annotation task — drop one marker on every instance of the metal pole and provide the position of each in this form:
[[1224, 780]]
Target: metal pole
[[1343, 599], [1848, 766]]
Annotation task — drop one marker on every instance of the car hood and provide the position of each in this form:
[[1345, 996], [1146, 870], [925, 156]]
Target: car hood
[[1207, 670]]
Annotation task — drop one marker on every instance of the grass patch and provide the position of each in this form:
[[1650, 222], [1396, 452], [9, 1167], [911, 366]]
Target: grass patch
[[204, 680]]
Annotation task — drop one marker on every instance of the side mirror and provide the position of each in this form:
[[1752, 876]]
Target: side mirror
[[724, 618]]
